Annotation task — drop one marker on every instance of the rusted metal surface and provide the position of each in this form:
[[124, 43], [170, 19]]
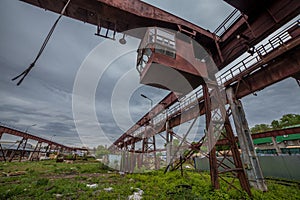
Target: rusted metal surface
[[165, 56], [274, 72], [122, 15], [161, 106], [269, 74], [284, 49], [26, 136], [210, 134], [253, 169], [260, 22]]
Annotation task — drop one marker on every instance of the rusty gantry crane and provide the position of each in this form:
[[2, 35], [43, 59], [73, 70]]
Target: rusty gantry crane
[[254, 21]]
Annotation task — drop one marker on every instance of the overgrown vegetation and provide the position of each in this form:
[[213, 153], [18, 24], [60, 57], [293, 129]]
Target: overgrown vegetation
[[51, 180]]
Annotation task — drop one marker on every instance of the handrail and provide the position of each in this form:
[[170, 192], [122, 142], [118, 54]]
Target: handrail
[[223, 27], [185, 103], [278, 40]]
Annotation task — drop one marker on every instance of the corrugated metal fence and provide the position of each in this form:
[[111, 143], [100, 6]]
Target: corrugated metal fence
[[286, 166]]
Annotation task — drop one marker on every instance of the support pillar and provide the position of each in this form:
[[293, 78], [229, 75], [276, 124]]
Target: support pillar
[[35, 151], [149, 146], [23, 150], [132, 158], [169, 144], [213, 168], [251, 162], [16, 150], [1, 149]]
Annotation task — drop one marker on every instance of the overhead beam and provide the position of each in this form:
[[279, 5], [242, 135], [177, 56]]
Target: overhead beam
[[263, 19], [122, 15], [269, 70], [10, 131]]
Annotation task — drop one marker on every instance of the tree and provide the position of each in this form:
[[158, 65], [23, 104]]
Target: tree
[[284, 122], [276, 125], [259, 128], [101, 151], [289, 120]]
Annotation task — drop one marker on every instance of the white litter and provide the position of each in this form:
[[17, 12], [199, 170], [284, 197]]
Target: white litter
[[92, 185], [58, 195], [136, 195], [122, 173], [108, 189]]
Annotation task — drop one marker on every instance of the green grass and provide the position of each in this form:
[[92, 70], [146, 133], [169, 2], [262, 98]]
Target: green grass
[[51, 180]]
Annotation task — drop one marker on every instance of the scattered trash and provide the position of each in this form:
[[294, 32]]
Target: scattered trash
[[108, 189], [92, 185], [136, 195], [58, 195], [18, 173], [69, 161], [122, 173]]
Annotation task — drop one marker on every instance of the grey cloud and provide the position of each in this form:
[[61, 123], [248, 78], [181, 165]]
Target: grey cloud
[[45, 97]]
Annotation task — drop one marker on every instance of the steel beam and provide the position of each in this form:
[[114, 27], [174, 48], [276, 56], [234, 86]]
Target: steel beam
[[272, 72], [11, 131], [260, 23], [213, 169], [122, 15], [249, 156]]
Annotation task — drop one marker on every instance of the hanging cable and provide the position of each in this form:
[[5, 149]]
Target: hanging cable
[[25, 72]]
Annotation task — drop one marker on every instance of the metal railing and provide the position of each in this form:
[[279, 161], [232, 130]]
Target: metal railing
[[262, 50], [228, 22], [192, 99]]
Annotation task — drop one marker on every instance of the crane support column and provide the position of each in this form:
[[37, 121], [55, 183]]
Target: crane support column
[[251, 163]]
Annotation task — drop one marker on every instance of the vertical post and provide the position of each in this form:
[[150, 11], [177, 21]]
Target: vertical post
[[31, 157], [236, 157], [14, 151], [23, 150], [249, 156], [2, 151], [154, 152], [144, 151], [169, 142], [212, 149], [278, 150], [132, 158]]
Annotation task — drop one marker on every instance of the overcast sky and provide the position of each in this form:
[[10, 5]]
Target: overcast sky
[[45, 96]]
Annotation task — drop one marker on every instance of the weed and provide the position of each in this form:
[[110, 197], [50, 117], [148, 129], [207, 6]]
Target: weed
[[42, 182]]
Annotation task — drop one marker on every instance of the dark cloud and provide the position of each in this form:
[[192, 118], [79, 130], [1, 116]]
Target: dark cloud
[[45, 96], [273, 102]]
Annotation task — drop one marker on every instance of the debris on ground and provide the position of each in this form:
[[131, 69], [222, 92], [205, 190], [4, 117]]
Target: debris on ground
[[136, 195], [92, 185], [122, 173], [58, 195], [17, 173], [109, 189]]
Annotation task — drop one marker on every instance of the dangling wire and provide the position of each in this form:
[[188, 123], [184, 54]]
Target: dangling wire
[[25, 72]]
